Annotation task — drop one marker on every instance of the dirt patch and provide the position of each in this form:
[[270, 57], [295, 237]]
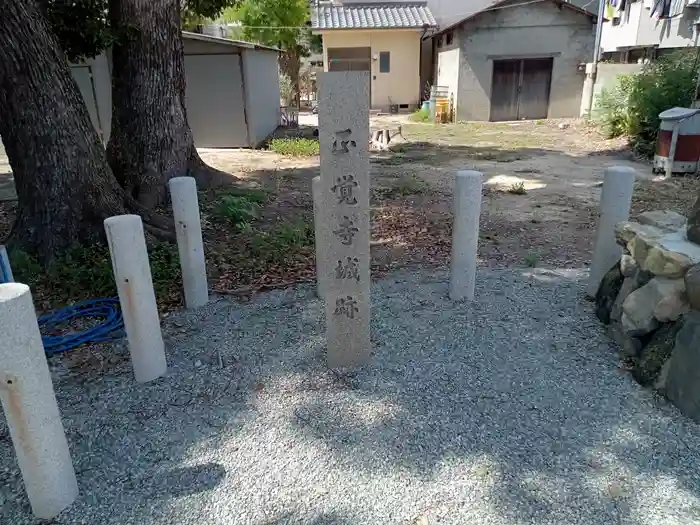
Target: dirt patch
[[540, 203]]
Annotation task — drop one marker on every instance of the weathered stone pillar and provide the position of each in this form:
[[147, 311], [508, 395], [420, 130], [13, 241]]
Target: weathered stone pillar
[[29, 403], [132, 274], [465, 234], [615, 201], [343, 118], [188, 229], [319, 235]]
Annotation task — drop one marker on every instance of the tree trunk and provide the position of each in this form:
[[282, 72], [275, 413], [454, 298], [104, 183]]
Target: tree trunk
[[150, 140], [64, 186], [290, 63]]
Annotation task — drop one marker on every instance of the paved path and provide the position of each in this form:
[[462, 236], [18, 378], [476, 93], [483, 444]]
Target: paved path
[[510, 410]]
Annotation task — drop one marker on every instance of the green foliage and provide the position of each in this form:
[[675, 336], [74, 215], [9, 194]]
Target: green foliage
[[85, 272], [83, 29], [612, 107], [531, 259], [281, 243], [421, 115], [252, 194], [286, 88], [295, 147], [237, 209], [275, 22], [517, 188], [81, 26], [632, 107]]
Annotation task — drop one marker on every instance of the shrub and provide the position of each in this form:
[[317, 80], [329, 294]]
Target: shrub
[[85, 272], [237, 209], [295, 147], [632, 107], [420, 116]]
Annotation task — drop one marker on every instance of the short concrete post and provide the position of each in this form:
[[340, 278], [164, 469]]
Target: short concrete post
[[132, 274], [465, 234], [5, 267], [29, 403], [319, 229], [615, 202], [188, 229]]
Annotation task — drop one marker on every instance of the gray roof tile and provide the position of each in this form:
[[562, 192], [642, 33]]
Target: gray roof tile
[[371, 16]]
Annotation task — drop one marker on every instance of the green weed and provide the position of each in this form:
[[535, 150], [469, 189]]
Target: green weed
[[295, 147], [517, 188], [531, 260], [237, 209]]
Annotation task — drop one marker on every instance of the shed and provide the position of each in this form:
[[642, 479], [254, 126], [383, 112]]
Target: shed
[[232, 96], [513, 60]]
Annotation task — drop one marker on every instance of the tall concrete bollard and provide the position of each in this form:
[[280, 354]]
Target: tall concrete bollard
[[29, 403], [615, 202], [188, 228], [132, 274], [319, 225], [465, 234]]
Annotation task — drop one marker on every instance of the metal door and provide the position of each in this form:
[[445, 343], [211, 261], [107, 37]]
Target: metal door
[[535, 82], [520, 89], [504, 90]]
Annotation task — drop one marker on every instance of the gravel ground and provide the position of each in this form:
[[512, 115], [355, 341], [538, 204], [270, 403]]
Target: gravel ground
[[509, 410]]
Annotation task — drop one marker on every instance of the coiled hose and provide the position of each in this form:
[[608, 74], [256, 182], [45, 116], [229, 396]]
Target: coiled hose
[[108, 309]]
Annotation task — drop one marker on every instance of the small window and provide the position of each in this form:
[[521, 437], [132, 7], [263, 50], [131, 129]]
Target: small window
[[448, 39], [384, 66], [439, 41]]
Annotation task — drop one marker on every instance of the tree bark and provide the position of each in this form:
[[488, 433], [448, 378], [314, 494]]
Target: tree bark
[[64, 185], [151, 140], [290, 63]]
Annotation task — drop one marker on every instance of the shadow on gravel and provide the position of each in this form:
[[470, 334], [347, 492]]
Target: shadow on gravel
[[545, 428]]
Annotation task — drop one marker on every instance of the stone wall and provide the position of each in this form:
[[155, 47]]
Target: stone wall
[[650, 301]]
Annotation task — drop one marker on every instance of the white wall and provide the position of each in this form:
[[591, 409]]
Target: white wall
[[447, 66], [261, 75], [94, 80], [402, 84], [637, 28], [262, 94]]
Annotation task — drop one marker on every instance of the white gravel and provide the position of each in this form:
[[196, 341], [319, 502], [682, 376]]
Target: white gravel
[[509, 410]]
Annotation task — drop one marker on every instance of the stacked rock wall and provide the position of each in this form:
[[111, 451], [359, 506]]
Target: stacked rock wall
[[650, 301]]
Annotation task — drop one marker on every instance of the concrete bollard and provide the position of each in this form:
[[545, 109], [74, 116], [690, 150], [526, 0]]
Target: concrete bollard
[[5, 267], [188, 228], [615, 201], [465, 234], [318, 235], [132, 274], [29, 403]]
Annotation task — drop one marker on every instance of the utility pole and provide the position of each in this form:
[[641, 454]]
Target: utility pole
[[596, 53]]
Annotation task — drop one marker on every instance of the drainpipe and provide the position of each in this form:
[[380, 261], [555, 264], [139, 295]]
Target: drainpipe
[[596, 53]]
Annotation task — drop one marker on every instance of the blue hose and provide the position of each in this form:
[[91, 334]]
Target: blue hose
[[111, 327]]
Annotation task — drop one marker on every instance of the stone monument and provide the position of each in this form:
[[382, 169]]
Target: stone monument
[[343, 118]]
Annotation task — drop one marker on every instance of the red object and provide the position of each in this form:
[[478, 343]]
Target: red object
[[687, 146]]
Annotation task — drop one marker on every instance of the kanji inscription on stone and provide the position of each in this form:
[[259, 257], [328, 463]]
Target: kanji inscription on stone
[[343, 117], [346, 230], [349, 269], [346, 306], [344, 188], [342, 141]]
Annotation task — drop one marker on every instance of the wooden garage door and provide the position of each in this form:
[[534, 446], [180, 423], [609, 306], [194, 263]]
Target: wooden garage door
[[520, 89], [215, 101]]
